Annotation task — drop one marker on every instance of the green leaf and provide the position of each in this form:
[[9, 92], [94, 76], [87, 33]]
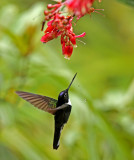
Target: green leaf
[[129, 2]]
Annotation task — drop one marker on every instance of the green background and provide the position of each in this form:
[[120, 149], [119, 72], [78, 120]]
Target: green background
[[101, 125]]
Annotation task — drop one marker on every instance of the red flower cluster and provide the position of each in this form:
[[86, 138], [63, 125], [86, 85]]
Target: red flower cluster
[[60, 26], [79, 7]]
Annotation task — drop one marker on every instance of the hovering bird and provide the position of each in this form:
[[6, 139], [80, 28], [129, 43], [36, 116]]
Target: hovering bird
[[60, 108]]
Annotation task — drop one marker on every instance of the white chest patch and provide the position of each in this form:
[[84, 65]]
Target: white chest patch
[[69, 102]]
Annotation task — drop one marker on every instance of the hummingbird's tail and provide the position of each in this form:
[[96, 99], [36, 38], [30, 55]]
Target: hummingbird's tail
[[56, 141]]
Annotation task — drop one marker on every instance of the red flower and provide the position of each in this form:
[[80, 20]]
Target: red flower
[[79, 7], [61, 25], [50, 35], [67, 50], [51, 32], [68, 40]]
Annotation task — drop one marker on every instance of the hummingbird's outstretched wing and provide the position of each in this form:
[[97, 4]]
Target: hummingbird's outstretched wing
[[42, 102]]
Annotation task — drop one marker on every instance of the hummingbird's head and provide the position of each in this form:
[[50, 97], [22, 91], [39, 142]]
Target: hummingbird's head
[[64, 96]]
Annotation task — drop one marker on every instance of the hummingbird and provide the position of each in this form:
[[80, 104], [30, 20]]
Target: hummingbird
[[60, 108]]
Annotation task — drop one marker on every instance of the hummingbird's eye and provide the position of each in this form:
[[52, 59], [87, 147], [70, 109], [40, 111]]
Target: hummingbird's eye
[[65, 95]]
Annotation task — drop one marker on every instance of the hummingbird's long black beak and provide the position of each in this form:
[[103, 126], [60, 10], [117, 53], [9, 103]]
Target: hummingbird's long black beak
[[71, 81]]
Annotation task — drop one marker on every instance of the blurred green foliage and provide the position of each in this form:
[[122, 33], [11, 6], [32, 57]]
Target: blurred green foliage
[[101, 125], [129, 2]]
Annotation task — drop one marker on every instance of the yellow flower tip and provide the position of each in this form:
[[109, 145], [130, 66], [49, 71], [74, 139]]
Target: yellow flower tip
[[83, 10], [75, 46], [66, 57], [89, 5]]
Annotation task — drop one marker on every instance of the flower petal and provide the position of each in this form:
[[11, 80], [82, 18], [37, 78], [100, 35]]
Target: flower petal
[[81, 35]]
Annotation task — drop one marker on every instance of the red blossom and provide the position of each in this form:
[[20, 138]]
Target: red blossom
[[67, 50], [60, 25], [79, 7], [68, 40]]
